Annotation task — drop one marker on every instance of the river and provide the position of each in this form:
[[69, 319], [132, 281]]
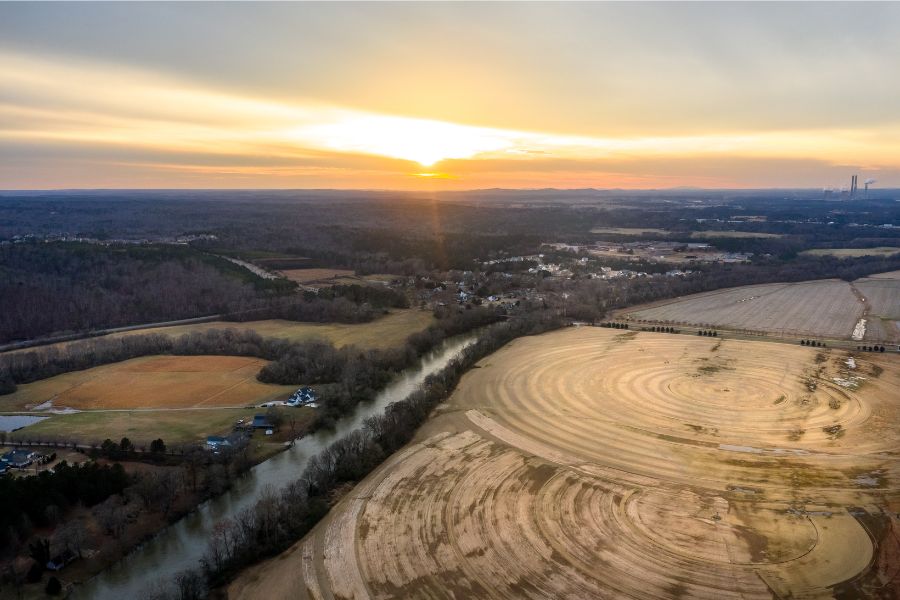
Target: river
[[183, 544]]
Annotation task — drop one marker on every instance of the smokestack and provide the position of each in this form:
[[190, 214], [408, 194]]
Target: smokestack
[[867, 182], [853, 186]]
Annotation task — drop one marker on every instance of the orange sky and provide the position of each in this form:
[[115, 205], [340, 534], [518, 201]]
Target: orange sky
[[448, 96]]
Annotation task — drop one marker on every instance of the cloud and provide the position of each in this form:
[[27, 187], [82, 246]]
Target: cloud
[[115, 121]]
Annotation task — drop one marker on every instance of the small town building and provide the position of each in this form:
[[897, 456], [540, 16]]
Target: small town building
[[302, 397], [261, 422], [18, 459]]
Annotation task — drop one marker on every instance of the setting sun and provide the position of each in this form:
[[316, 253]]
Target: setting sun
[[420, 140]]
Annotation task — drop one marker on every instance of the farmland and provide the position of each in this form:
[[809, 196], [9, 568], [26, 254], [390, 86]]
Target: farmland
[[733, 234], [152, 382], [599, 463], [629, 231], [882, 294], [827, 308], [385, 332], [852, 252], [316, 275], [141, 426]]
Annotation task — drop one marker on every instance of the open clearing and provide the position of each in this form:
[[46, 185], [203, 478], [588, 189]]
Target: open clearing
[[153, 382], [630, 231], [733, 234], [853, 252], [173, 426], [142, 426], [312, 275], [826, 307], [595, 463], [386, 332]]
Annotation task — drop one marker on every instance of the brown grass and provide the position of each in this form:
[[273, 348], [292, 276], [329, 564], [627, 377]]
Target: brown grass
[[852, 252], [313, 275], [153, 382]]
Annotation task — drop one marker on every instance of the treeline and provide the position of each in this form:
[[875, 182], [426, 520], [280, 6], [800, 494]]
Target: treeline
[[25, 367], [591, 299], [54, 288], [25, 501], [280, 518], [352, 374], [337, 304]]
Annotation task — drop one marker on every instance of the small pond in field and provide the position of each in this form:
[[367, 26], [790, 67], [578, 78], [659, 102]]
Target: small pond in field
[[9, 423]]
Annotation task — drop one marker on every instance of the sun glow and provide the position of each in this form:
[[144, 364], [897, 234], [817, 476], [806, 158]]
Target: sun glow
[[423, 141]]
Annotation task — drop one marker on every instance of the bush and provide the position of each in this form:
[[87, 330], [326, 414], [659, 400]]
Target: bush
[[54, 587]]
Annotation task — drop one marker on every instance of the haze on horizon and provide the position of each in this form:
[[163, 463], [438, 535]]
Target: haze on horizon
[[445, 96]]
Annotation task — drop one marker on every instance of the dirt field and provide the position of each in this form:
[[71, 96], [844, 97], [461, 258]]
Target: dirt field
[[385, 332], [826, 307], [629, 231], [153, 382], [595, 463], [853, 252], [882, 294], [388, 331], [733, 234], [313, 275]]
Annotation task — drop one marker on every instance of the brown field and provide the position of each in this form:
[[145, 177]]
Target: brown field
[[733, 234], [853, 252], [629, 230], [385, 332], [312, 275], [592, 463], [153, 382], [882, 294], [826, 307]]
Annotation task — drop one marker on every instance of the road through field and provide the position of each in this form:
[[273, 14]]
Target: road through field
[[597, 463]]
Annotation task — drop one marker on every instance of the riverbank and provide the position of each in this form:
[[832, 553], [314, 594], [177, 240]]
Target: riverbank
[[136, 522], [184, 543]]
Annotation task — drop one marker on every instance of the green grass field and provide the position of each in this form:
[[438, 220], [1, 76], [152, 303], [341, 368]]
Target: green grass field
[[173, 426]]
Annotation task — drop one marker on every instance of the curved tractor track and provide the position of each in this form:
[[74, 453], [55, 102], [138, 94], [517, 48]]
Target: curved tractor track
[[591, 463]]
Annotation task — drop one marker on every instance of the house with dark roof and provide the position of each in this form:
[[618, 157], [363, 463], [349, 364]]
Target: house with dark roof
[[302, 397], [261, 422], [18, 458]]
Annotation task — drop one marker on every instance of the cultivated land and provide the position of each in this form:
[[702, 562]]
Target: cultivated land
[[695, 234], [630, 230], [314, 275], [142, 426], [827, 308], [853, 252], [882, 294], [152, 382], [596, 463], [385, 332], [733, 234]]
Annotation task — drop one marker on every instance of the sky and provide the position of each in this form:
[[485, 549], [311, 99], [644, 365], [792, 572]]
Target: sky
[[448, 96]]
